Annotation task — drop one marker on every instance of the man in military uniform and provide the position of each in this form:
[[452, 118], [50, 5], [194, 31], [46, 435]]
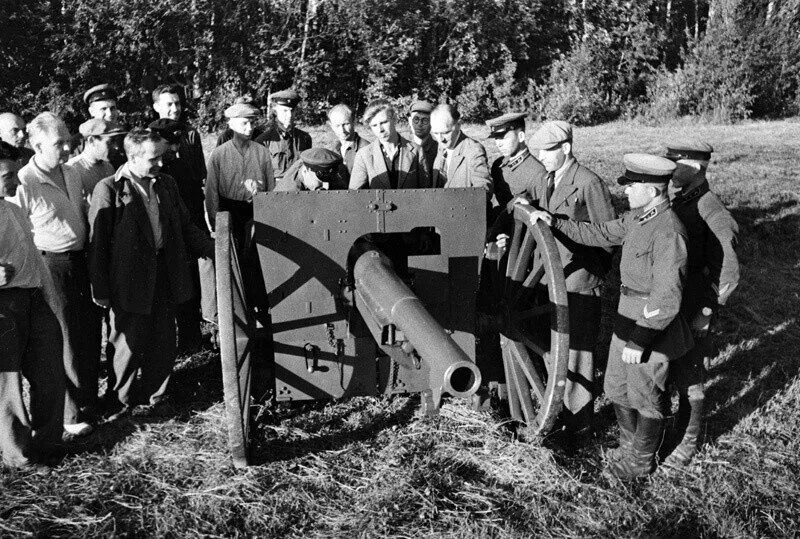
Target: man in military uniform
[[420, 123], [649, 330], [318, 169], [348, 142], [12, 131], [101, 101], [712, 275], [461, 161], [283, 140]]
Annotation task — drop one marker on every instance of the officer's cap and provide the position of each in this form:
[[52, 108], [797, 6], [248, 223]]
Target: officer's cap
[[503, 124], [550, 135], [689, 149], [97, 127], [289, 98], [646, 168], [241, 110], [320, 159], [169, 130], [425, 107], [99, 93]]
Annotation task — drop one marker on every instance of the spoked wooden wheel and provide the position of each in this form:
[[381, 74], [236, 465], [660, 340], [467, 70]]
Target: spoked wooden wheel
[[236, 330], [535, 328]]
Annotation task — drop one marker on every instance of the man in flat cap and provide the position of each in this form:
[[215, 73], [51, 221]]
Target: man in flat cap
[[141, 238], [282, 138], [461, 161], [572, 191], [348, 141], [712, 275], [12, 131], [101, 139], [390, 161], [236, 171], [101, 101], [649, 330], [227, 133], [419, 120], [317, 169]]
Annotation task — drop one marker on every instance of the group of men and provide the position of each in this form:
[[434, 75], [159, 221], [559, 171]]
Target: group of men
[[125, 235]]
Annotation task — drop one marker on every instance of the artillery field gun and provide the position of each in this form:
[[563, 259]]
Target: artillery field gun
[[375, 292]]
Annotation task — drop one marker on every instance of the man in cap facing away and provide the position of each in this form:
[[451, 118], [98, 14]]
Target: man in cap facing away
[[282, 138], [236, 171], [419, 121], [101, 140], [348, 141], [318, 169], [12, 132], [713, 274], [649, 330]]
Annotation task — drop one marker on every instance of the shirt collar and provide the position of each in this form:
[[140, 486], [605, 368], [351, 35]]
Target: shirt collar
[[42, 176]]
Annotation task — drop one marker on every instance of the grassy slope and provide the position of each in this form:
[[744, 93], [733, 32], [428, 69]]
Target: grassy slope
[[371, 467]]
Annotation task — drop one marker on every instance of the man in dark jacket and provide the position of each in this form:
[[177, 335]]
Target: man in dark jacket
[[282, 138]]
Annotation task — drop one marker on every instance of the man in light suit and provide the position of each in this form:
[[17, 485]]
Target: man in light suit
[[461, 161], [348, 142], [390, 161]]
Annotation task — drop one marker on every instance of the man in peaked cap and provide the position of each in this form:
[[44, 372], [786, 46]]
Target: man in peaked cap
[[282, 138], [571, 191], [649, 330], [712, 275], [419, 120], [102, 140], [348, 141], [101, 101], [317, 169], [237, 170]]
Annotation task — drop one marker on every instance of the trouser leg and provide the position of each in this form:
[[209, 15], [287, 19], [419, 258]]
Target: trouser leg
[[130, 337], [616, 379], [187, 315], [156, 367], [584, 320], [15, 430], [647, 388]]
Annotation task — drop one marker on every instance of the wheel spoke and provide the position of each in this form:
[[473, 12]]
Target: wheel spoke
[[520, 385], [529, 369], [529, 285], [523, 257], [533, 312], [513, 252], [537, 349], [513, 401]]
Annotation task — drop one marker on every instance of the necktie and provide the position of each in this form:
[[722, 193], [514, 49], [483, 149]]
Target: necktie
[[551, 185]]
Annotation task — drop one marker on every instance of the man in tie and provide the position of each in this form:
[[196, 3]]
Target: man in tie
[[461, 161], [282, 138], [141, 237], [572, 191], [51, 196], [348, 142], [419, 121]]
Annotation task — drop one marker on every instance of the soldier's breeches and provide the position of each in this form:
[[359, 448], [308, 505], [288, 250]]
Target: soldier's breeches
[[688, 372], [641, 387]]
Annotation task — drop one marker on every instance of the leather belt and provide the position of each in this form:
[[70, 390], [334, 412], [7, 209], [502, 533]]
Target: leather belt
[[630, 292], [66, 254]]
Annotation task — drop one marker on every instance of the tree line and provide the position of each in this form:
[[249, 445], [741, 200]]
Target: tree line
[[586, 61]]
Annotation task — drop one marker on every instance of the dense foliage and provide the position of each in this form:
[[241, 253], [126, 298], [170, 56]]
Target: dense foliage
[[586, 61]]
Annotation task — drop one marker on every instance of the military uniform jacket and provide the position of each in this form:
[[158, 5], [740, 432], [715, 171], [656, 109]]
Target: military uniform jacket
[[468, 166], [369, 167], [515, 176], [713, 271], [293, 180], [580, 196], [350, 155], [284, 147], [654, 258]]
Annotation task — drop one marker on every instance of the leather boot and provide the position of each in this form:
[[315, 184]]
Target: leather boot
[[641, 461], [626, 419], [687, 448]]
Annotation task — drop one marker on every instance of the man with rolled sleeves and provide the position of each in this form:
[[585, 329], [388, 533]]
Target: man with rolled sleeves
[[461, 161], [649, 331], [348, 141], [237, 170], [12, 131], [30, 342], [318, 169], [572, 191], [419, 121], [283, 140], [712, 275], [101, 139], [101, 102]]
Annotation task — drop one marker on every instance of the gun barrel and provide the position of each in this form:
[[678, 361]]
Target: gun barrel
[[388, 301]]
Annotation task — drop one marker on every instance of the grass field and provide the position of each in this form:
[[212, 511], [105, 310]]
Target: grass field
[[371, 467]]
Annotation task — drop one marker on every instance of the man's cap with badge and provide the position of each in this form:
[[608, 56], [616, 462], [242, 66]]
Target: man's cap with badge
[[169, 130], [241, 110], [99, 93], [550, 135], [320, 159], [97, 128], [646, 168], [426, 107], [689, 149], [288, 98], [503, 124]]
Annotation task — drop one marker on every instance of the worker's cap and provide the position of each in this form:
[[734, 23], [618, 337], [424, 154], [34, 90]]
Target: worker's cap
[[320, 160], [688, 149], [425, 107], [550, 135], [99, 93], [241, 110], [646, 168], [97, 128], [169, 130], [288, 98], [503, 124]]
